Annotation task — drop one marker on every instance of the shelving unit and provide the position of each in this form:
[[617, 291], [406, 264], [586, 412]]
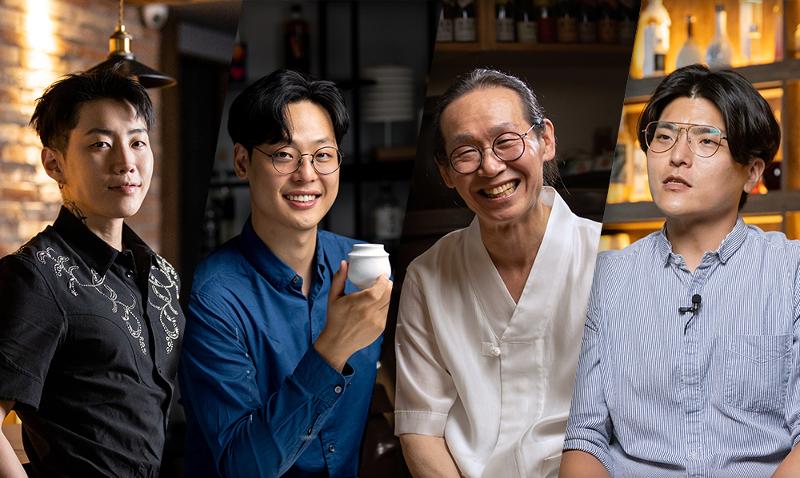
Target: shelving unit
[[779, 82]]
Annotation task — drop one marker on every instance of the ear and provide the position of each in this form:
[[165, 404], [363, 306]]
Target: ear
[[51, 160], [548, 138], [445, 171], [754, 171], [241, 161]]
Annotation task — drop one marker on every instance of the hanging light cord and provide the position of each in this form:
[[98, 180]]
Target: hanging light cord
[[121, 10]]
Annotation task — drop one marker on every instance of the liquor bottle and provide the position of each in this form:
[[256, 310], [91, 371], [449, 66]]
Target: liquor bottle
[[718, 54], [296, 41], [587, 21], [620, 169], [567, 23], [464, 25], [628, 12], [526, 22], [751, 24], [504, 20], [607, 25], [689, 53], [387, 215], [546, 21], [652, 39], [239, 63], [639, 187], [777, 15], [444, 33]]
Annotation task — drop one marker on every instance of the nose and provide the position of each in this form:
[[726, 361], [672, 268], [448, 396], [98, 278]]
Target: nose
[[491, 165], [125, 160], [681, 154], [306, 172]]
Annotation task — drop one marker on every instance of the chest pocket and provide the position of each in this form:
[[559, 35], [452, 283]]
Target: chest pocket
[[757, 369]]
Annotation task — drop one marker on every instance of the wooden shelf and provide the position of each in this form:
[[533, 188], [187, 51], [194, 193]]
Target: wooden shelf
[[770, 74], [566, 48], [777, 202]]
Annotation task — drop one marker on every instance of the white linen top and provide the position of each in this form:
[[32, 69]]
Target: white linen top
[[494, 377]]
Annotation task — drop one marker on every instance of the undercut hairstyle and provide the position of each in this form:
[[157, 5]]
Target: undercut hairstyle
[[56, 111], [482, 78], [258, 114], [750, 126]]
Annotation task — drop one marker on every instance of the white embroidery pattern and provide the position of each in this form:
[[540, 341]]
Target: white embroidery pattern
[[163, 281], [61, 268]]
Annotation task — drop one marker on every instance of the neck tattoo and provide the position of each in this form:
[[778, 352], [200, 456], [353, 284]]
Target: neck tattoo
[[74, 209]]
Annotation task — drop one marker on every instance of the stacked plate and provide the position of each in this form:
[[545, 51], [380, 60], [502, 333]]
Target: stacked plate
[[391, 98]]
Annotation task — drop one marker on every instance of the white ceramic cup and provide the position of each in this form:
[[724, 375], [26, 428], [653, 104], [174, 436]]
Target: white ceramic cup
[[366, 262]]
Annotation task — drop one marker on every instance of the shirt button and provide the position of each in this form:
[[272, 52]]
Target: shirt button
[[309, 431], [129, 274], [495, 351], [693, 455], [337, 389], [295, 280], [331, 448]]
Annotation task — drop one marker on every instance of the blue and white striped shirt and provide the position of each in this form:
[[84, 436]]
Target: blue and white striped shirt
[[716, 393]]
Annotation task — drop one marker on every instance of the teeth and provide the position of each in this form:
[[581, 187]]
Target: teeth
[[300, 197], [500, 190]]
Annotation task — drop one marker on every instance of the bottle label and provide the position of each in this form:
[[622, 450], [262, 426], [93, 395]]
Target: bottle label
[[659, 59], [527, 32], [587, 32], [505, 29], [445, 31], [465, 30], [567, 30], [388, 222]]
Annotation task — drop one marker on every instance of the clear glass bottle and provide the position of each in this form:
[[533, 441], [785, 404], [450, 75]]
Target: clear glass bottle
[[444, 33], [464, 24], [718, 54], [504, 20], [652, 39], [690, 52], [526, 22]]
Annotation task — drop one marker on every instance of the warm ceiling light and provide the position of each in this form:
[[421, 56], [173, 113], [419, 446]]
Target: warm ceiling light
[[121, 59]]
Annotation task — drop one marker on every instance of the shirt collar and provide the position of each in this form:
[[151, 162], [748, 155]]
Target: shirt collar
[[726, 249], [268, 264], [97, 253]]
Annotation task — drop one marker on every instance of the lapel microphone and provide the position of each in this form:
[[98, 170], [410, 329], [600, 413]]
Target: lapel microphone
[[696, 299]]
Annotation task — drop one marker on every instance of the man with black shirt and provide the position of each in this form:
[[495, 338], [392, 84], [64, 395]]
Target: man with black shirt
[[90, 327]]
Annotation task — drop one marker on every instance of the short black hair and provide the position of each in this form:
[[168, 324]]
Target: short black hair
[[258, 114], [480, 78], [56, 111], [750, 125]]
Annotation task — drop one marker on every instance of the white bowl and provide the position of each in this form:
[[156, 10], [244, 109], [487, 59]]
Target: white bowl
[[366, 263]]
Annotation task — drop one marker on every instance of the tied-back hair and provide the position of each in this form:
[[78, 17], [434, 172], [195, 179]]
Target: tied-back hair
[[481, 78], [258, 114]]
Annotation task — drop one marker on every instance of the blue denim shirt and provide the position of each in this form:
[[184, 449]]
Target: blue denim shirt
[[715, 392], [259, 399]]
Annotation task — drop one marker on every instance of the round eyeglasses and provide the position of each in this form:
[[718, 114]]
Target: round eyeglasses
[[704, 140], [507, 147], [325, 160]]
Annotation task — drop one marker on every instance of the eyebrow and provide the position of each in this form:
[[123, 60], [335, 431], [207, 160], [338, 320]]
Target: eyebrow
[[108, 132]]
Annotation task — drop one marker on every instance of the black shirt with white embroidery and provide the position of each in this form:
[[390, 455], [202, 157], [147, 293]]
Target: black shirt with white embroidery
[[89, 344]]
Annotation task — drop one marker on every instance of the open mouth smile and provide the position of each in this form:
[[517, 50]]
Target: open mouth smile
[[501, 191]]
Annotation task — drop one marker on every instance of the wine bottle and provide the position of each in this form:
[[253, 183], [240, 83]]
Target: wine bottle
[[504, 20], [297, 41], [526, 22], [464, 24], [690, 52], [444, 33], [718, 54]]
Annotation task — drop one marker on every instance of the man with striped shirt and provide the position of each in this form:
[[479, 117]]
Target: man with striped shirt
[[689, 362]]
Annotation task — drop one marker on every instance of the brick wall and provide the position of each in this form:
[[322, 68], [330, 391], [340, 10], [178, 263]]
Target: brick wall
[[41, 40]]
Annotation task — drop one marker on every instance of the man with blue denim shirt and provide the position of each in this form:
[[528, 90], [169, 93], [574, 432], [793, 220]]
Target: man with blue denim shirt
[[278, 363], [689, 363]]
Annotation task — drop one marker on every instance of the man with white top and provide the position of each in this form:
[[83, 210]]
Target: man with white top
[[490, 317]]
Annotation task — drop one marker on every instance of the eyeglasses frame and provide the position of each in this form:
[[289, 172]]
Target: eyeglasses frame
[[339, 156]]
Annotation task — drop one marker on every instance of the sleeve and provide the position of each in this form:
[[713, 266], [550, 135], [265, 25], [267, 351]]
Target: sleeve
[[589, 426], [425, 390], [250, 435], [31, 329], [793, 402]]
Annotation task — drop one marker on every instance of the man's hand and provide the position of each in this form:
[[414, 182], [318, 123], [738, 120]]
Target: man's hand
[[354, 320]]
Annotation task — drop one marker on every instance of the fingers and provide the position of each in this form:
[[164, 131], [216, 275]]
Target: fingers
[[338, 282]]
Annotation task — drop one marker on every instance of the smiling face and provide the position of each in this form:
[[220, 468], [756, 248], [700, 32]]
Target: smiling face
[[297, 201], [107, 165], [688, 187], [498, 192]]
